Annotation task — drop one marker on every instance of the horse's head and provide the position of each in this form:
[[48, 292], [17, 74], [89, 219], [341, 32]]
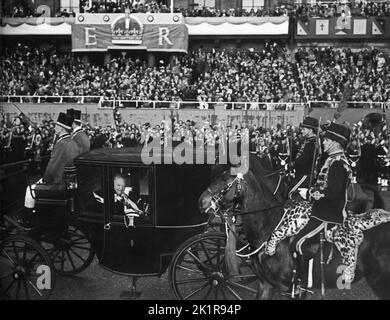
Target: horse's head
[[225, 190]]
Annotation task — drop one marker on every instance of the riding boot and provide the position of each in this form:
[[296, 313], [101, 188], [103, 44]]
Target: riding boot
[[296, 276], [296, 282]]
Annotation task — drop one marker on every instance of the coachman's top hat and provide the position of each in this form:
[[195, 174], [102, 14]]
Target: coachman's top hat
[[339, 133], [64, 120], [75, 114], [311, 123]]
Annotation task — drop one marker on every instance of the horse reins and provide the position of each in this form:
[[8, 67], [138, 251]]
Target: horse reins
[[217, 196]]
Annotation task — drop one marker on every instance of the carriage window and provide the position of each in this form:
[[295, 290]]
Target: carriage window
[[90, 190], [130, 189]]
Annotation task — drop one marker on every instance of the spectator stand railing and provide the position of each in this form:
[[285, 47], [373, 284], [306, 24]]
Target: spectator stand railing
[[350, 104], [52, 99], [201, 105], [337, 2]]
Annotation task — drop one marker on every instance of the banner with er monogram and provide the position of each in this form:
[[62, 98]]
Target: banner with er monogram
[[125, 31]]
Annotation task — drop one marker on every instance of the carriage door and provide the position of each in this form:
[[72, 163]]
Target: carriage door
[[128, 235]]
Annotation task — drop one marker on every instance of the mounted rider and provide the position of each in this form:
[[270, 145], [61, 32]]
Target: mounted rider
[[321, 204], [304, 160]]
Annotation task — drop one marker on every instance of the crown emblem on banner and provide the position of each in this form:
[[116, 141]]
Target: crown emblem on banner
[[127, 30]]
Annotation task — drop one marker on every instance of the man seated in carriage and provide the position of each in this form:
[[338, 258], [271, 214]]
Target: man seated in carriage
[[122, 201]]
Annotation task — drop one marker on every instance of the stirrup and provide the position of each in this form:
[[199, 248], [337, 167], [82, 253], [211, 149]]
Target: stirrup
[[304, 289], [296, 291]]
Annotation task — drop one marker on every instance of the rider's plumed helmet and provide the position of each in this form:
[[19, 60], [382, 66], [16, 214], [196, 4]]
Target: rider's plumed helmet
[[339, 133], [311, 123]]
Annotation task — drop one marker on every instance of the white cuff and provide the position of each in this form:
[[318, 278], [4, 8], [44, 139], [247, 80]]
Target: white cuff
[[303, 192]]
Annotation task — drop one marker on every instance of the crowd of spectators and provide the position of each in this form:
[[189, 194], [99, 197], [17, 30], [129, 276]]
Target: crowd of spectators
[[229, 76], [234, 12], [330, 74], [26, 9], [244, 76], [134, 6], [213, 78], [145, 6], [21, 12], [302, 11], [337, 9], [29, 71]]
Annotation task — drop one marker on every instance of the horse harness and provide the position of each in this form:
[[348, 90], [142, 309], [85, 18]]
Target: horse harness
[[218, 196]]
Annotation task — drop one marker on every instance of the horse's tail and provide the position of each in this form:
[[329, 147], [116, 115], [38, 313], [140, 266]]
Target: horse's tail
[[231, 258], [378, 201]]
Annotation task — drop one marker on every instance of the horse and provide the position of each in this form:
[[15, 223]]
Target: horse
[[261, 208]]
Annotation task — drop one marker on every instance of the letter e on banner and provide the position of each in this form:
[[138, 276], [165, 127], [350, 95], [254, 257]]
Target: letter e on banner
[[44, 280], [90, 38], [163, 33]]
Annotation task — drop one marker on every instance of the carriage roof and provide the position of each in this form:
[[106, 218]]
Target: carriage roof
[[130, 155], [110, 155]]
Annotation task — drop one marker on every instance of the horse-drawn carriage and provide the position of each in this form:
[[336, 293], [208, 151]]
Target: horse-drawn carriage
[[133, 216], [139, 219]]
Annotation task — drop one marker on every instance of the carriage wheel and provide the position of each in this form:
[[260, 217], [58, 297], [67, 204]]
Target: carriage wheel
[[198, 271], [72, 253], [26, 270]]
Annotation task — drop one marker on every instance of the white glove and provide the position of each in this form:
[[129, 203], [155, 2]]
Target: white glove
[[303, 192]]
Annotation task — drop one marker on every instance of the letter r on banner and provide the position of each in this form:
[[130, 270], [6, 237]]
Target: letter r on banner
[[90, 39], [163, 33]]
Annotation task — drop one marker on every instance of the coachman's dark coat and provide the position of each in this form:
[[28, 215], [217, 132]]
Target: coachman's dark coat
[[82, 140], [64, 151]]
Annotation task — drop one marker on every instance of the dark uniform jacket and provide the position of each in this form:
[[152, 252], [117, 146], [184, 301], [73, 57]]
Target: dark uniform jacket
[[304, 159], [303, 164], [329, 193], [64, 151], [82, 140]]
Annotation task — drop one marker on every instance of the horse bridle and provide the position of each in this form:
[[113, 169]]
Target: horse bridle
[[217, 196]]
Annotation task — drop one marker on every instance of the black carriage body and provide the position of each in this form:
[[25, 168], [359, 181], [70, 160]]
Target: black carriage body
[[168, 192]]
